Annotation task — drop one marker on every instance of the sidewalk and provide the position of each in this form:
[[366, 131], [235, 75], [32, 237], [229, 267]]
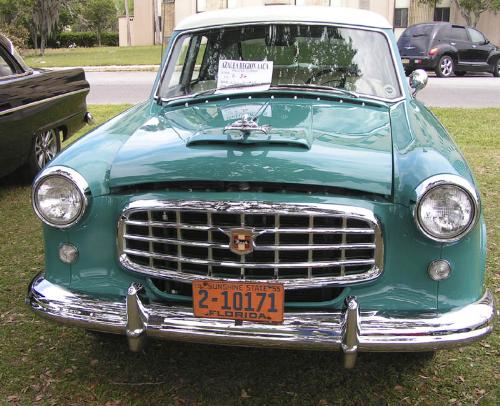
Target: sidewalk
[[112, 68]]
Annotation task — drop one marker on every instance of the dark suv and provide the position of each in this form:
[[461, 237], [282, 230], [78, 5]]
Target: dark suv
[[447, 49]]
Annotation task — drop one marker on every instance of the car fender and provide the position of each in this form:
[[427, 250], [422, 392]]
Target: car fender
[[494, 55], [446, 49]]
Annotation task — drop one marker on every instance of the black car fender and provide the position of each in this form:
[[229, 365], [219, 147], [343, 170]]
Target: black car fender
[[494, 55], [446, 49]]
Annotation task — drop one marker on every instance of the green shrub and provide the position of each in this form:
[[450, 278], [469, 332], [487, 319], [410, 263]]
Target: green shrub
[[110, 39], [18, 35], [82, 39]]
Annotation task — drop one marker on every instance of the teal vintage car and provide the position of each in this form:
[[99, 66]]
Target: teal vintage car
[[281, 187]]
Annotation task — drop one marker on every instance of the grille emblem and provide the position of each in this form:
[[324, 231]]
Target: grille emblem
[[241, 241]]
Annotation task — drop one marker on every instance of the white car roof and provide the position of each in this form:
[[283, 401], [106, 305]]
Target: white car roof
[[267, 14]]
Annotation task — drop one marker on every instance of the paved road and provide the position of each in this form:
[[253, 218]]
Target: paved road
[[469, 91]]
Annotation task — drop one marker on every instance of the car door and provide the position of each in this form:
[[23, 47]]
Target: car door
[[480, 48], [12, 146], [458, 38]]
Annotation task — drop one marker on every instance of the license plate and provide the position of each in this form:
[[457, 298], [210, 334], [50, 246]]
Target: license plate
[[405, 61], [249, 301]]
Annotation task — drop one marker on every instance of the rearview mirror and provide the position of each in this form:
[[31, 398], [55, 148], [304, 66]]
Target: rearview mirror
[[418, 80]]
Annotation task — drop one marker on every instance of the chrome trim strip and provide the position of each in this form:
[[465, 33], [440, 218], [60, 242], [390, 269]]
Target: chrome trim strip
[[253, 207], [322, 230], [351, 330], [443, 180], [68, 173], [38, 102], [263, 265], [319, 247], [395, 60], [299, 283]]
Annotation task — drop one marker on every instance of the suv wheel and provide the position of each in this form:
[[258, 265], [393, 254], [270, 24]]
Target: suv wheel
[[496, 68], [445, 66], [46, 145], [408, 71]]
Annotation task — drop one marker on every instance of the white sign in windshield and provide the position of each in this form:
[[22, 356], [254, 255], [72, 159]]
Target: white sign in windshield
[[244, 73]]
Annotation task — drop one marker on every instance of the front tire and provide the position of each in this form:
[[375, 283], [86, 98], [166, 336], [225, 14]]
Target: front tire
[[496, 68], [46, 145], [445, 66]]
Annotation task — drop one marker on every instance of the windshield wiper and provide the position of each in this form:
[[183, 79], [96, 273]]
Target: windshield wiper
[[271, 86], [214, 90], [329, 88]]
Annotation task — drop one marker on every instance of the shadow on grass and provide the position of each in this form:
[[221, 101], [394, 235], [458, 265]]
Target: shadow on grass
[[19, 177], [219, 374]]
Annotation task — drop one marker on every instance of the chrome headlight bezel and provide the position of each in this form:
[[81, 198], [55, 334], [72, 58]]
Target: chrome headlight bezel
[[437, 181], [71, 175]]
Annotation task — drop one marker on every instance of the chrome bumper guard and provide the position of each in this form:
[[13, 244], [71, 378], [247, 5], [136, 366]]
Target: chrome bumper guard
[[349, 331]]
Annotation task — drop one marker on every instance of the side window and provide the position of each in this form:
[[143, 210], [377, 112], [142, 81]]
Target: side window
[[179, 63], [476, 36], [459, 34], [5, 68]]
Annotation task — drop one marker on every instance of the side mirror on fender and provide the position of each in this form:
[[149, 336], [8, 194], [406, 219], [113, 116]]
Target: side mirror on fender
[[418, 80]]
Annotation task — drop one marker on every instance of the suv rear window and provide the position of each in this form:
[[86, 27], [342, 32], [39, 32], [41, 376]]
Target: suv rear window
[[418, 31]]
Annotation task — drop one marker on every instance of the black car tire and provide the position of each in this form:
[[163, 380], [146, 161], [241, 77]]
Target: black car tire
[[408, 71], [460, 73], [46, 145], [496, 68], [445, 66]]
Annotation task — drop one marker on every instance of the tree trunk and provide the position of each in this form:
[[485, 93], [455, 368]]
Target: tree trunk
[[99, 36], [475, 20], [43, 36], [34, 38]]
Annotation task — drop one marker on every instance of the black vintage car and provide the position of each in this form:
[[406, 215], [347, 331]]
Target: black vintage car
[[38, 110], [447, 49]]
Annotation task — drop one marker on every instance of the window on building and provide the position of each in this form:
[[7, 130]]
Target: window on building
[[364, 4], [400, 17], [201, 6], [442, 14], [232, 3], [337, 3]]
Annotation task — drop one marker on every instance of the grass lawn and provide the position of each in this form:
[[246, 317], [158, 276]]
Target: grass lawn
[[49, 364], [97, 56]]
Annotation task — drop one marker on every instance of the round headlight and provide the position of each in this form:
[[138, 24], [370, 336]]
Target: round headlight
[[60, 196], [447, 207]]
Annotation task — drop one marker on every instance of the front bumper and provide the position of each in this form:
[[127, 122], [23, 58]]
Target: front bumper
[[349, 331]]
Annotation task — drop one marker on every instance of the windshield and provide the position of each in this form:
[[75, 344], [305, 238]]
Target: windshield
[[323, 57]]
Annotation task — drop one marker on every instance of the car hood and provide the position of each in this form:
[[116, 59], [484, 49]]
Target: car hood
[[309, 141]]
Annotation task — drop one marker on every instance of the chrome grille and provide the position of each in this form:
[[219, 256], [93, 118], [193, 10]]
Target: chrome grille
[[297, 244]]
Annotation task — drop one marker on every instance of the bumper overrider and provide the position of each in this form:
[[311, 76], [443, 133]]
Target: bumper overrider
[[350, 330]]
